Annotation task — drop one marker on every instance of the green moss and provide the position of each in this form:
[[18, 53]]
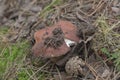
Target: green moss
[[12, 54], [41, 77], [3, 65], [108, 40], [22, 75], [4, 30], [115, 56], [27, 74]]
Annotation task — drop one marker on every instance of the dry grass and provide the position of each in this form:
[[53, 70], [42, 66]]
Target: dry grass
[[14, 63]]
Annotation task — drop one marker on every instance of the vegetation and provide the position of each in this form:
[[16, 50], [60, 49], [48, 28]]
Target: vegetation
[[13, 59], [115, 57], [49, 8], [14, 62], [109, 40], [12, 56]]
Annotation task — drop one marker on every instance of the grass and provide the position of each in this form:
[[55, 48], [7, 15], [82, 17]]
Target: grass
[[13, 59], [22, 75], [12, 55], [107, 40], [50, 8], [25, 74], [4, 30], [13, 64], [115, 57]]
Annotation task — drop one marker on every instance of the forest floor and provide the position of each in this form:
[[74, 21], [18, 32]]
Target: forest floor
[[96, 57]]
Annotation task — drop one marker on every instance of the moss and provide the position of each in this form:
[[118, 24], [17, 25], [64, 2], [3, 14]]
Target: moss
[[12, 54], [22, 75], [4, 30]]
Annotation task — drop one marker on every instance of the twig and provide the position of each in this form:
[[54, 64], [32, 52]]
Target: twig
[[100, 4], [116, 75], [60, 78], [39, 70], [93, 71]]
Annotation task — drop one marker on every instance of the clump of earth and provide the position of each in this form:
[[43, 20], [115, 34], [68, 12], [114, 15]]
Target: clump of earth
[[56, 39]]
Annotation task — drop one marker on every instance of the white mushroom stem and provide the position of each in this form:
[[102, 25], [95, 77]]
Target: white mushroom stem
[[69, 42]]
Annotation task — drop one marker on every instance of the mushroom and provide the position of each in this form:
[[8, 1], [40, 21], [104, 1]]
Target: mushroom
[[56, 40]]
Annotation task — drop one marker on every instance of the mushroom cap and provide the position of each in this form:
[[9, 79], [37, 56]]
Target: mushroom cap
[[69, 30], [40, 49]]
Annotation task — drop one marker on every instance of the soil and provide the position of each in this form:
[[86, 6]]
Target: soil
[[85, 31], [56, 40]]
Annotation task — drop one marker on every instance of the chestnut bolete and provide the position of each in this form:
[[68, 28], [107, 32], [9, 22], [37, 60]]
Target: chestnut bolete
[[55, 41]]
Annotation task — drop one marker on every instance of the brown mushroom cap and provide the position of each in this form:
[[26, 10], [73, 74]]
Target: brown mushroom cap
[[40, 49], [68, 29]]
